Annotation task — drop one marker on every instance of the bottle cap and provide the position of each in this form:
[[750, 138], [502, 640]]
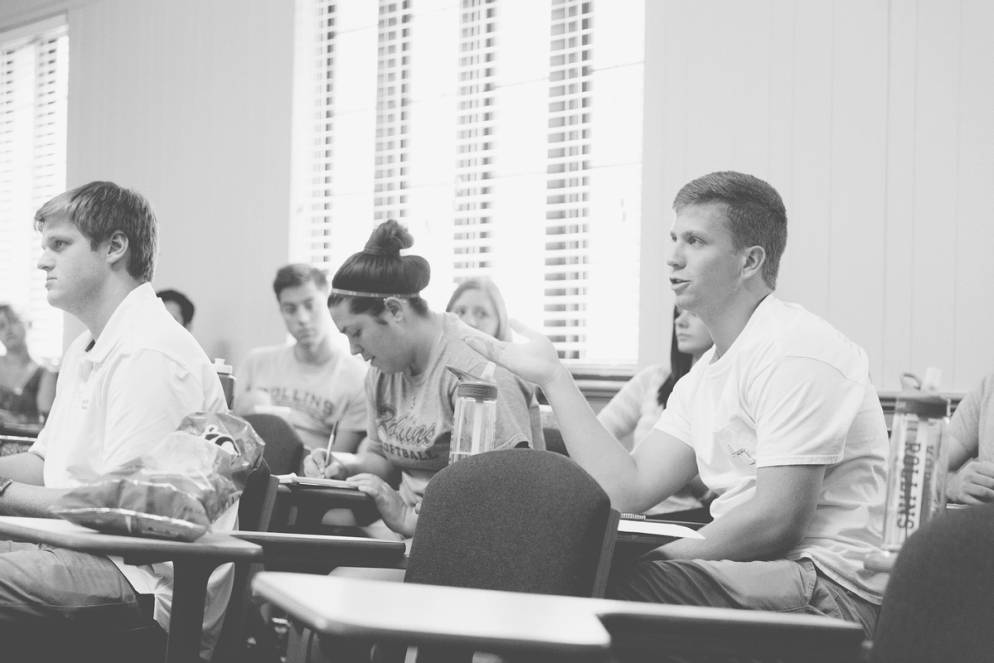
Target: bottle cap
[[473, 387], [221, 367], [477, 390]]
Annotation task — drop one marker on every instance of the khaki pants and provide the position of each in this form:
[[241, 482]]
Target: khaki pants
[[781, 586]]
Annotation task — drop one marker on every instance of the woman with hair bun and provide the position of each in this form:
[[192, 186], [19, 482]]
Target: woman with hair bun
[[376, 302]]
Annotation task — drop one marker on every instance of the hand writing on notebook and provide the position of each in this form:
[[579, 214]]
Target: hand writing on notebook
[[317, 464]]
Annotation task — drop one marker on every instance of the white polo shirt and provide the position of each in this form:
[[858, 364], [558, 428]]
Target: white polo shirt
[[792, 390], [115, 399]]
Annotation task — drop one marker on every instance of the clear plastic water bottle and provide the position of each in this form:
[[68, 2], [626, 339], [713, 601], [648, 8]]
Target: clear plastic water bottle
[[227, 380], [475, 417], [916, 475]]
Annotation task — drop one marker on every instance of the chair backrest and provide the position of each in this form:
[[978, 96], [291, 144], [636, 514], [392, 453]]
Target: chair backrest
[[939, 602], [284, 449], [517, 520]]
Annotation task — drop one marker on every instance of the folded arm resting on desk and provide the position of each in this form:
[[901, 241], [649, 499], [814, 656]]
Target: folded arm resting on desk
[[768, 525], [26, 496]]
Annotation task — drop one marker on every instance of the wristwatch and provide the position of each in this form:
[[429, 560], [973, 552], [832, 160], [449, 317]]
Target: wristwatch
[[5, 484]]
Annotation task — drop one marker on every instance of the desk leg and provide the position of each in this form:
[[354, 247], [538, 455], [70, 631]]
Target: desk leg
[[187, 619]]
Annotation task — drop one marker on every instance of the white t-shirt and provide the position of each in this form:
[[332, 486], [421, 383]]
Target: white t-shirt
[[319, 396], [634, 411], [114, 401], [792, 390]]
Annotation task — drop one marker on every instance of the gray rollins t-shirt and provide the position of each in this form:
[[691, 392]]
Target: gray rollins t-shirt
[[318, 396], [410, 417]]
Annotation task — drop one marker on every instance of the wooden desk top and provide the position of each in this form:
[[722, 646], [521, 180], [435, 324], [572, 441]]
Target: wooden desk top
[[441, 615], [62, 533]]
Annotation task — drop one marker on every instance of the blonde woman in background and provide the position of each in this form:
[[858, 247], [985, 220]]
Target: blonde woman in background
[[478, 303]]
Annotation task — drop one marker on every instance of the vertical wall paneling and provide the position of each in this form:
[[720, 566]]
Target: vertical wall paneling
[[972, 278], [899, 219], [780, 115], [804, 275], [934, 194], [858, 163]]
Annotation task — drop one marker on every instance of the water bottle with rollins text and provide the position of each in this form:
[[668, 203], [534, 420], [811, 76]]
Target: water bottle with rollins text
[[916, 469], [475, 416]]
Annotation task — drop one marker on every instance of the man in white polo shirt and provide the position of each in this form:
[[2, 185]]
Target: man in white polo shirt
[[124, 384], [779, 418]]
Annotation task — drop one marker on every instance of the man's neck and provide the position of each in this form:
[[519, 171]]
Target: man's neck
[[728, 321], [316, 354], [96, 312]]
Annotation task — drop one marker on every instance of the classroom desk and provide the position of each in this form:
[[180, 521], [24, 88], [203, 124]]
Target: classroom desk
[[311, 503], [193, 563], [427, 614], [543, 626]]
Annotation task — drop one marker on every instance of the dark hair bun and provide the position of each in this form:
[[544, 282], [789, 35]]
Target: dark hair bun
[[388, 238]]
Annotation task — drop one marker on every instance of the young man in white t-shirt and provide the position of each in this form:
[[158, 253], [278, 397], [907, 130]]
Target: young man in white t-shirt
[[779, 419], [315, 385], [125, 383]]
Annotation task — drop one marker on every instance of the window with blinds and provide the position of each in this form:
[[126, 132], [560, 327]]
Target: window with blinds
[[492, 129], [33, 87]]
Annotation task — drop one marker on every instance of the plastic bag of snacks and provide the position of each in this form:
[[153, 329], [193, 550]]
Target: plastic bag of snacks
[[178, 488]]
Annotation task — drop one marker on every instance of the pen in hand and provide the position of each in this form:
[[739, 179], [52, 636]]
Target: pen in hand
[[328, 458]]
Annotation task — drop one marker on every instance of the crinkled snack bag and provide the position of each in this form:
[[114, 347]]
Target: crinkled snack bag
[[177, 488], [165, 508]]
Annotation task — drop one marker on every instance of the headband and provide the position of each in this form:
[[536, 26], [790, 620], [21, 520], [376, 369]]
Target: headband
[[374, 295]]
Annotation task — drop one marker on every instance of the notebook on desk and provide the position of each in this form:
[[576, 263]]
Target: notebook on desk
[[313, 482]]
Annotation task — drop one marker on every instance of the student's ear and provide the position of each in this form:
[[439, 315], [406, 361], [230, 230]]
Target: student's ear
[[752, 263], [117, 246], [395, 308]]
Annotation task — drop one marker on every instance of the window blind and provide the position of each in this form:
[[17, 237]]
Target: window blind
[[33, 91], [485, 126]]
